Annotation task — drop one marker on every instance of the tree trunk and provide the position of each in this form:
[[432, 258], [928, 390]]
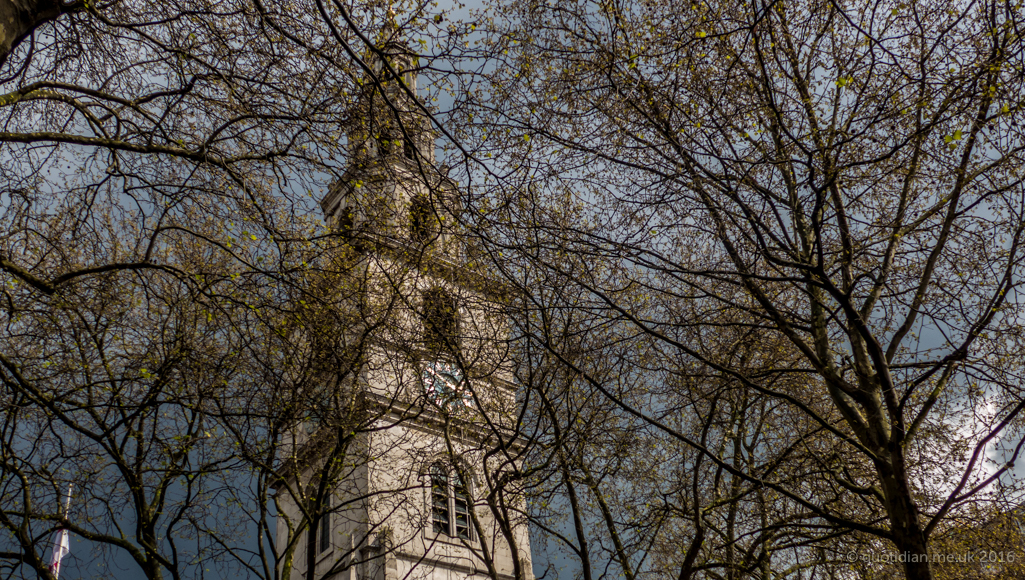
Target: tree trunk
[[914, 552], [18, 18], [905, 525]]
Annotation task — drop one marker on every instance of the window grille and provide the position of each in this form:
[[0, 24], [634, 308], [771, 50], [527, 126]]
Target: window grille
[[450, 504]]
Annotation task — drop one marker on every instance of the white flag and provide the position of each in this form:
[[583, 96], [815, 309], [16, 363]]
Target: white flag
[[61, 547]]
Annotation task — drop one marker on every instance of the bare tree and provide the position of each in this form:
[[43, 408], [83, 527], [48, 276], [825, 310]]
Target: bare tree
[[175, 311], [843, 180]]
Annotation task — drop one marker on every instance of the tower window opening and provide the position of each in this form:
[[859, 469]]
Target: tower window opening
[[440, 513], [420, 214], [345, 221], [386, 143], [408, 149], [324, 535], [450, 504], [461, 509], [441, 320]]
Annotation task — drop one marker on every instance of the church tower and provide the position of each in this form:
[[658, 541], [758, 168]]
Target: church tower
[[397, 478]]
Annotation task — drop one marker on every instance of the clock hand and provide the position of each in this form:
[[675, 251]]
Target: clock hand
[[439, 376]]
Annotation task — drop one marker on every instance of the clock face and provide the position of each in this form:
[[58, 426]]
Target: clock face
[[445, 386]]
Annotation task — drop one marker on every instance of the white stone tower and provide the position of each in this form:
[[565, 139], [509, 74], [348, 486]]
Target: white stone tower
[[403, 487]]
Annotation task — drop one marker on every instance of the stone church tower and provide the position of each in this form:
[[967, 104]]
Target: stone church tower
[[409, 493]]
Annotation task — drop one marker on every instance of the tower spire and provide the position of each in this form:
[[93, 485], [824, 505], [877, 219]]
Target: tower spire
[[390, 188]]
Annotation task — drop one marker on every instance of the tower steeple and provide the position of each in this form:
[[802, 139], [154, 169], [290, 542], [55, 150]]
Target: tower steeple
[[392, 191], [390, 125], [404, 497]]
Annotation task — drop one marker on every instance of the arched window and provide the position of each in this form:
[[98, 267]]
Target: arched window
[[450, 503], [441, 321], [385, 142], [408, 148], [346, 221], [324, 534], [421, 218]]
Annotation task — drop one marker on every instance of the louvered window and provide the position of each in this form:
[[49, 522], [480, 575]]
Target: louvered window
[[450, 504]]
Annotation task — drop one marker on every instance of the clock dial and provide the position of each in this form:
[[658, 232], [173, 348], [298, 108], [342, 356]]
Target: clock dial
[[445, 386]]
